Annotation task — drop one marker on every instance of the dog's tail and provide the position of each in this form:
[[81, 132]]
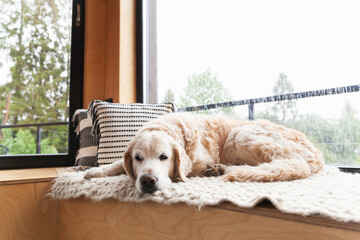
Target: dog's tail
[[277, 170]]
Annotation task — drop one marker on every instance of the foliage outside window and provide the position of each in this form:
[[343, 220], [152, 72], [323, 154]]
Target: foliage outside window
[[234, 50], [35, 44]]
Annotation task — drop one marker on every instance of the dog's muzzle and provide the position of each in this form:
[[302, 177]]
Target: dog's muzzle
[[148, 183]]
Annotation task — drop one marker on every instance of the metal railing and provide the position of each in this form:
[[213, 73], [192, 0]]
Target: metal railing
[[249, 102], [38, 130], [291, 96]]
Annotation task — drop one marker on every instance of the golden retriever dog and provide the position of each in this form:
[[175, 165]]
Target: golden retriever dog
[[181, 145]]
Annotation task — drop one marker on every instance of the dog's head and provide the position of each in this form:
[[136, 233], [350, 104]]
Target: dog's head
[[153, 159]]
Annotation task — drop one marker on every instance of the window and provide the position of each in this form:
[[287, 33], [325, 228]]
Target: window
[[41, 51], [210, 51]]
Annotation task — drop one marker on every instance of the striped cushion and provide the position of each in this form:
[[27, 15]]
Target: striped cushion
[[116, 124], [87, 153]]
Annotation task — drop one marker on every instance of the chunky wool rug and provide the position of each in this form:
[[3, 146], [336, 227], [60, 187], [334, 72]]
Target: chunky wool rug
[[330, 193]]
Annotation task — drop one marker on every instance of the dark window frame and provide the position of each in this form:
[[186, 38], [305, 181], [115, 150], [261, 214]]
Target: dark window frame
[[76, 102]]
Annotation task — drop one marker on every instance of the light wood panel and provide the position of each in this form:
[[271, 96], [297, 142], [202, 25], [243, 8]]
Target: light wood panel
[[26, 214], [110, 51], [83, 219], [95, 51], [17, 176], [127, 52], [266, 209]]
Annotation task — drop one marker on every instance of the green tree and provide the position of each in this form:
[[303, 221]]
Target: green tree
[[338, 139], [39, 48], [24, 142], [169, 96], [348, 136], [286, 109], [36, 36], [205, 88]]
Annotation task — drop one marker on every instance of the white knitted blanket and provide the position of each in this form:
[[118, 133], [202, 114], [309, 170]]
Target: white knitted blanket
[[330, 193]]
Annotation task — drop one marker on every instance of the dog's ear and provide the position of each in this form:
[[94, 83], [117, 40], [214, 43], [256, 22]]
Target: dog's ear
[[183, 162], [128, 162]]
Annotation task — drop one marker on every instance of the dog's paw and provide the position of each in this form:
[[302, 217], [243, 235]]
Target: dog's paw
[[94, 173], [78, 168], [214, 170]]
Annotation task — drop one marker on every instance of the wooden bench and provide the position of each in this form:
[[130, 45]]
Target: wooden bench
[[25, 213]]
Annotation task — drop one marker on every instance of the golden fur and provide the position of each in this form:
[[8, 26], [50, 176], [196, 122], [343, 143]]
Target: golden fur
[[179, 145]]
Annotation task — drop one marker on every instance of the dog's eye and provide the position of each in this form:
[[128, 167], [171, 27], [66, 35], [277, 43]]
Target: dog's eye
[[138, 158], [163, 157]]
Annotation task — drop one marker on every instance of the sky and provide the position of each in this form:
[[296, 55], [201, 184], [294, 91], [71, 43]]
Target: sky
[[248, 43]]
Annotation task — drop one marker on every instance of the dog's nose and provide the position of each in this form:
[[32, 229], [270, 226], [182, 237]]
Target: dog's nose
[[148, 183]]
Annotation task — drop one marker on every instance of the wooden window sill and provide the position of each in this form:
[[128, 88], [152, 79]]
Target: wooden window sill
[[34, 175]]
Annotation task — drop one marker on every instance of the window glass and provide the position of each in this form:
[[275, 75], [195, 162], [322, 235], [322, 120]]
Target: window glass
[[35, 44], [211, 51]]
